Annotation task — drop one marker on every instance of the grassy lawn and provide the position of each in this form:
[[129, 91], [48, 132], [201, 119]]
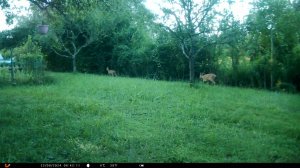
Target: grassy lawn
[[92, 118]]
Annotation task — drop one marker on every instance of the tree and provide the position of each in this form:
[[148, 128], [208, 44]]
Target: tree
[[73, 26], [192, 21], [233, 35], [274, 27]]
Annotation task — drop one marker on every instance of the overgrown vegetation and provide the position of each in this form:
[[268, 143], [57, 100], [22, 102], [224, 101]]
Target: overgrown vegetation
[[92, 118], [28, 65], [88, 36]]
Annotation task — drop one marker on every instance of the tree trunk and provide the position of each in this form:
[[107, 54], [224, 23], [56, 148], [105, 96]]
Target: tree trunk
[[12, 68], [265, 80], [74, 63], [192, 70], [235, 64], [272, 49], [235, 71]]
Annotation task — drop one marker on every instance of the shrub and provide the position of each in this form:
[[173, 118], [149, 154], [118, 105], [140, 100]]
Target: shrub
[[31, 59], [285, 87]]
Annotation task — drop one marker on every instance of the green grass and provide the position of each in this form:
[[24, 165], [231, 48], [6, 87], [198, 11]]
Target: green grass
[[92, 118]]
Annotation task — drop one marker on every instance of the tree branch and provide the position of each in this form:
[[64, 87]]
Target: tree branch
[[62, 55], [183, 48]]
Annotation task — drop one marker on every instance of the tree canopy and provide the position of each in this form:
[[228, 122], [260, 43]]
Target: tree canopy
[[90, 35]]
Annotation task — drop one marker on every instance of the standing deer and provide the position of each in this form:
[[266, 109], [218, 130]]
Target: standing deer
[[208, 77], [111, 72]]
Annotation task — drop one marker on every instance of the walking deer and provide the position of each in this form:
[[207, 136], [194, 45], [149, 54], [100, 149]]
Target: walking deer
[[208, 77], [111, 72]]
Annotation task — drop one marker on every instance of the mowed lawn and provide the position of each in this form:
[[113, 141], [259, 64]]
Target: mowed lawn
[[93, 118]]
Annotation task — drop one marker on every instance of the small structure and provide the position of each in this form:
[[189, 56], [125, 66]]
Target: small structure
[[43, 29], [5, 61]]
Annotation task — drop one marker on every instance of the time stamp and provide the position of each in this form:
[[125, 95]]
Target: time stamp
[[75, 165]]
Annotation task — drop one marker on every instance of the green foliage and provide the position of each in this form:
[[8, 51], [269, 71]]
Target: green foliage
[[31, 60], [6, 54], [106, 119], [123, 43], [4, 4], [285, 87], [89, 36]]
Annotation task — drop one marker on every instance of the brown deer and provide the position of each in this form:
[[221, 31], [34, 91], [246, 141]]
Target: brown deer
[[208, 77], [111, 72]]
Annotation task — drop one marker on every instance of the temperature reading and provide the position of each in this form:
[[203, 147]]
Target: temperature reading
[[102, 165], [113, 165]]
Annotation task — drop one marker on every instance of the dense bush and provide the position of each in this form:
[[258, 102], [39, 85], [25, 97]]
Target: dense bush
[[29, 65]]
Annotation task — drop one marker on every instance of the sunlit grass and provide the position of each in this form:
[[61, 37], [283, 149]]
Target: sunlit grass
[[92, 118]]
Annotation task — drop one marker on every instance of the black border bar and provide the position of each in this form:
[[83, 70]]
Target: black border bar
[[147, 165]]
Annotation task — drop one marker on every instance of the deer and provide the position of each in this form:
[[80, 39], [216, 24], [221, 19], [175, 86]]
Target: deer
[[208, 77], [111, 72]]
